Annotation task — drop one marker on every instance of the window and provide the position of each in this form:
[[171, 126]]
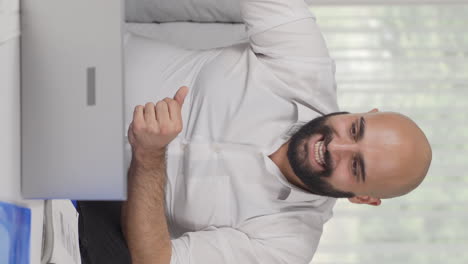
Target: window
[[411, 59]]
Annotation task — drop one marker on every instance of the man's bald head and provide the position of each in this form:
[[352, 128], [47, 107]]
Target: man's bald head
[[407, 156]]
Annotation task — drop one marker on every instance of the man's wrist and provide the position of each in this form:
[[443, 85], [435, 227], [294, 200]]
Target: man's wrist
[[149, 158]]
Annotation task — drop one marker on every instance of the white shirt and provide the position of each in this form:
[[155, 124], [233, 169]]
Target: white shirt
[[226, 201]]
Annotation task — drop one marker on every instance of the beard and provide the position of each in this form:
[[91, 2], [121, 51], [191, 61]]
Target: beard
[[298, 156]]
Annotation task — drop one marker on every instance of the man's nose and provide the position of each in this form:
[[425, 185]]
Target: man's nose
[[339, 147], [341, 150]]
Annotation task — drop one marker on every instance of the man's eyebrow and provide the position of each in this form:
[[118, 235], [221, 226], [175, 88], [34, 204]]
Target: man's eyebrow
[[362, 167], [362, 128]]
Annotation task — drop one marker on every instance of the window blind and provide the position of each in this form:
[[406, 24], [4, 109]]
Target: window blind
[[411, 59]]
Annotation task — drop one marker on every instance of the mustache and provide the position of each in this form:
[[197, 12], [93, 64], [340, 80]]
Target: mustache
[[328, 137]]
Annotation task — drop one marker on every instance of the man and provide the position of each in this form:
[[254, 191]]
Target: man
[[249, 177], [326, 156]]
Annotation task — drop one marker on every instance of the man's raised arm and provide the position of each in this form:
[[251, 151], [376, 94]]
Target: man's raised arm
[[143, 215]]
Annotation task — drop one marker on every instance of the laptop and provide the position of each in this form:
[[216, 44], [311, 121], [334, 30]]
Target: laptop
[[72, 103]]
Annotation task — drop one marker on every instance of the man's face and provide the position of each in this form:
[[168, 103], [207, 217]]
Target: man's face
[[308, 160], [345, 155]]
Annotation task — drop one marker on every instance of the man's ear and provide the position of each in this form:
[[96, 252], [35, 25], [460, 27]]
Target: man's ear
[[375, 110], [365, 200]]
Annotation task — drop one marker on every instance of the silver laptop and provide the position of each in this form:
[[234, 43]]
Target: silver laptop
[[72, 128]]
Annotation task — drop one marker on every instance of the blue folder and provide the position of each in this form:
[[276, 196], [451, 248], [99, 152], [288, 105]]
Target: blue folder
[[15, 233]]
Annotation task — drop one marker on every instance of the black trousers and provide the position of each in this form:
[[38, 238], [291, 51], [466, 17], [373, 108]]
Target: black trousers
[[100, 233]]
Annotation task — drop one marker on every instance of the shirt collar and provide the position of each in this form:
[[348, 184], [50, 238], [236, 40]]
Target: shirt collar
[[304, 113], [299, 195], [289, 192]]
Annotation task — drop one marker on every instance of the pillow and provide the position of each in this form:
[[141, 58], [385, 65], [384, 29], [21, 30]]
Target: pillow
[[148, 11], [191, 35]]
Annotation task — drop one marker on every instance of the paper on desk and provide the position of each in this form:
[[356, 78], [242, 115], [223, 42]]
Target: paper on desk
[[65, 233]]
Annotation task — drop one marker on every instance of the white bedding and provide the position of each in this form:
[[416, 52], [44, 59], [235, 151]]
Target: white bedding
[[192, 35]]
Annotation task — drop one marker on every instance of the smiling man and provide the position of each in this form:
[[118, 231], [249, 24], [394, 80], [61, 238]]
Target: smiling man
[[246, 165], [234, 204], [363, 157]]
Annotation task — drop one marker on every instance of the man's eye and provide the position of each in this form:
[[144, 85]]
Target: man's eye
[[353, 129], [354, 167]]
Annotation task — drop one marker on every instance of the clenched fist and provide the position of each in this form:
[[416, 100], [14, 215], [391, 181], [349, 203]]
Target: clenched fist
[[155, 126]]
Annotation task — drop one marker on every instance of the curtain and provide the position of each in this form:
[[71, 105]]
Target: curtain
[[412, 59]]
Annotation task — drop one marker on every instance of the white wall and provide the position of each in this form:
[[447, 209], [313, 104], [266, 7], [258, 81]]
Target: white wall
[[9, 101], [9, 120], [10, 174]]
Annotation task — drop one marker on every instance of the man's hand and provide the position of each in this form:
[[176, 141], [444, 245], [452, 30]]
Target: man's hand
[[144, 221], [155, 126]]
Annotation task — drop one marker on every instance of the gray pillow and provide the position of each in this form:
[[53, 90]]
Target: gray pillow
[[147, 11]]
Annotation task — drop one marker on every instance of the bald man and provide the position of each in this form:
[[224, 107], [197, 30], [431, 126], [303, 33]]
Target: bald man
[[363, 157], [246, 165]]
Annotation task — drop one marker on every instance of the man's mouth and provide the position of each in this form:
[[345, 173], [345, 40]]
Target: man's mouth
[[319, 149]]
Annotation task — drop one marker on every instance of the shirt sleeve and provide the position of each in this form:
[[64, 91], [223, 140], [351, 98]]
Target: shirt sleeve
[[266, 239], [279, 28]]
